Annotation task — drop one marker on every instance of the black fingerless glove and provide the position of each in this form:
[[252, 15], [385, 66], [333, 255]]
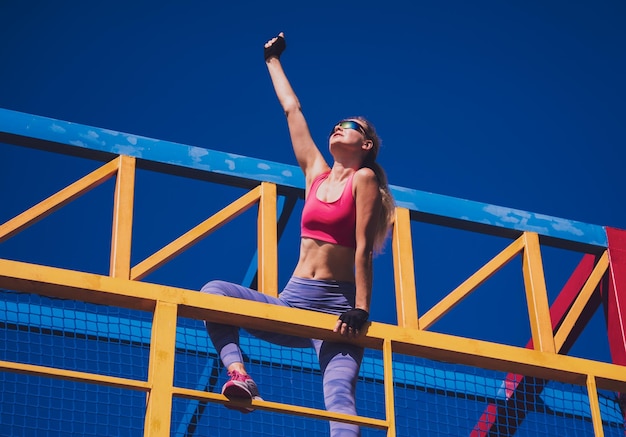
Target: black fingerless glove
[[355, 318], [276, 49]]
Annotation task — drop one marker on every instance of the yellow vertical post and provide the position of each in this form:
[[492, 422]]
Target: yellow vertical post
[[537, 295], [390, 404], [594, 405], [268, 241], [404, 275], [122, 218], [161, 371]]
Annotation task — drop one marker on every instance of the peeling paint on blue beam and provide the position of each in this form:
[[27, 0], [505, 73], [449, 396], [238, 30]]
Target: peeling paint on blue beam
[[87, 138], [486, 215], [20, 128]]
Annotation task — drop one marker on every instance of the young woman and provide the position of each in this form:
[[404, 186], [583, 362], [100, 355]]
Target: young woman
[[346, 216]]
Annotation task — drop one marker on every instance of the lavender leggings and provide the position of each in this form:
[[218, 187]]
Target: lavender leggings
[[339, 362]]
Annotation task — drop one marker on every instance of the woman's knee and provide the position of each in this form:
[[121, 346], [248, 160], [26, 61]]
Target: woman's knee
[[216, 287], [342, 355]]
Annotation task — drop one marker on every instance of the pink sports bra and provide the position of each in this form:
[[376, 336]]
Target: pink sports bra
[[333, 222]]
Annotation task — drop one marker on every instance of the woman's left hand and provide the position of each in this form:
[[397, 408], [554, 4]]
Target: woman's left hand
[[351, 322]]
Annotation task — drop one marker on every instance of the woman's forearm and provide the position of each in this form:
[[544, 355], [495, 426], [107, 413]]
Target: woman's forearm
[[285, 93], [363, 280], [307, 154]]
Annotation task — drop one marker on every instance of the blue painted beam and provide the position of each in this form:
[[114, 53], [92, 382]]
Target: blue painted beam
[[499, 217], [21, 127], [47, 133]]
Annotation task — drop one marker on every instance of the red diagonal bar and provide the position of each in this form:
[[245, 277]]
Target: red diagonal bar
[[616, 297], [521, 391]]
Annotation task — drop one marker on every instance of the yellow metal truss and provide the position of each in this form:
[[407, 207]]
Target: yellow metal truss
[[123, 288]]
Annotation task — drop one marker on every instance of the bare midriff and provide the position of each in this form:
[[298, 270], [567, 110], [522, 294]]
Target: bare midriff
[[325, 261]]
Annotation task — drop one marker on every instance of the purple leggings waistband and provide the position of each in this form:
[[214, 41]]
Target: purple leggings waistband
[[332, 297]]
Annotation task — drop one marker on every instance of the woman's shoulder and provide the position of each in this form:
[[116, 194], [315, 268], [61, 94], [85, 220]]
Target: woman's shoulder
[[365, 181], [364, 175]]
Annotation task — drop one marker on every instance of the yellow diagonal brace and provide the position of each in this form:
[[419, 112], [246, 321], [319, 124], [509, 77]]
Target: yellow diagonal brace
[[581, 301], [161, 371], [537, 295], [267, 241], [191, 237], [471, 283], [404, 275], [123, 218], [57, 200]]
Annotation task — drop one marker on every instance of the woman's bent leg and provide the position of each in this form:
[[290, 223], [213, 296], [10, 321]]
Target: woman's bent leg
[[225, 338]]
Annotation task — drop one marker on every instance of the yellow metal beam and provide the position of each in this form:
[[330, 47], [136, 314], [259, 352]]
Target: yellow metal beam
[[71, 375], [57, 200], [123, 218], [505, 358], [581, 301], [276, 407], [106, 290], [191, 237], [594, 406], [390, 404], [85, 287], [404, 274], [161, 371], [267, 236], [470, 284], [537, 295]]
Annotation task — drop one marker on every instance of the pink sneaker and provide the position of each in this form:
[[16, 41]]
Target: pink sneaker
[[242, 388]]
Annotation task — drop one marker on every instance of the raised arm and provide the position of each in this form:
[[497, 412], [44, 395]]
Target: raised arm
[[309, 157]]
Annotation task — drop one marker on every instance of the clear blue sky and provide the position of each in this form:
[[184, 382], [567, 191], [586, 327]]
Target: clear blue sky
[[518, 104]]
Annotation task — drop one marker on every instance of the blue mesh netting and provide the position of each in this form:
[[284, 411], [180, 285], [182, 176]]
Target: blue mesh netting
[[431, 398]]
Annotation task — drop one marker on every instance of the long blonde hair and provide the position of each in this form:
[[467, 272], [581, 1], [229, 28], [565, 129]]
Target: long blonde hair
[[387, 212]]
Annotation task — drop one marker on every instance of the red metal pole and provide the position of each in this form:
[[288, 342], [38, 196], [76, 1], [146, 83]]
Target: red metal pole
[[615, 301]]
